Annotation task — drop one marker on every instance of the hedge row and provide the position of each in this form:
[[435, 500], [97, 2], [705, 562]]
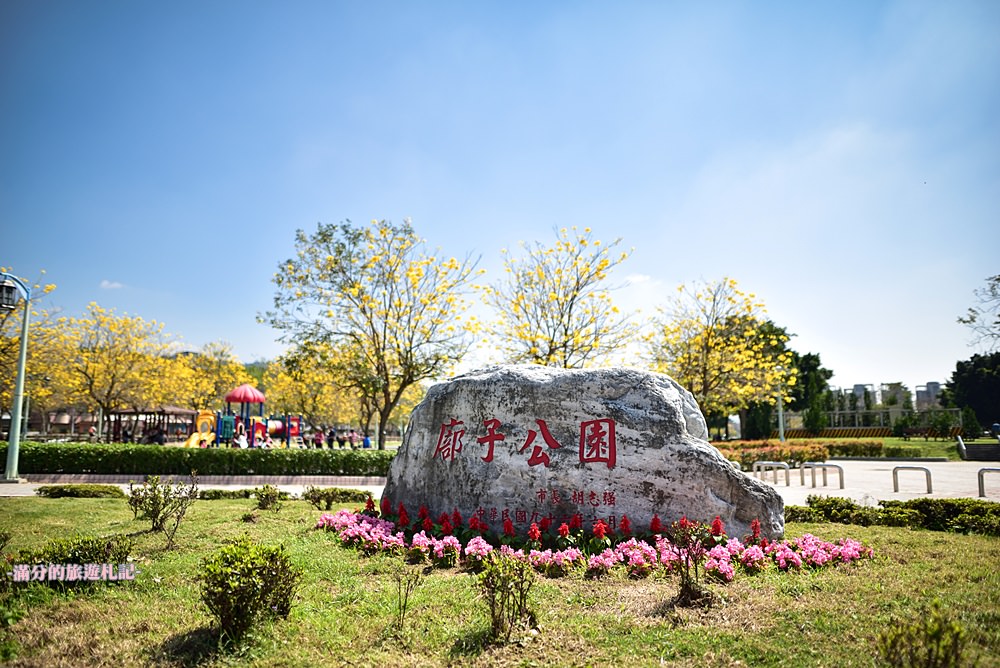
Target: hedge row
[[169, 460], [806, 450], [957, 515], [791, 454], [81, 491]]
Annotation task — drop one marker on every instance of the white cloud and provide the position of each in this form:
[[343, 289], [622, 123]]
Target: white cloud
[[111, 285]]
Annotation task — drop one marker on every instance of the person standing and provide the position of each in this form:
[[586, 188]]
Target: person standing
[[352, 438], [366, 442]]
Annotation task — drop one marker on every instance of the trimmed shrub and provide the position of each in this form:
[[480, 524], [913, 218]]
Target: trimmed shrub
[[933, 640], [958, 515], [228, 494], [907, 451], [163, 504], [171, 460], [855, 449], [246, 582], [793, 455], [79, 550], [268, 498], [81, 491], [504, 585], [324, 498], [802, 514]]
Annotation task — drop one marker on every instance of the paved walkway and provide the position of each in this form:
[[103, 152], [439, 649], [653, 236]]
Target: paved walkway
[[865, 481]]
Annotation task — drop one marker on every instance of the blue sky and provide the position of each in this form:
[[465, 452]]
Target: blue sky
[[839, 159]]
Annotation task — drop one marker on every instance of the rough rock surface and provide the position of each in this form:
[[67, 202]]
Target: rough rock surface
[[528, 442]]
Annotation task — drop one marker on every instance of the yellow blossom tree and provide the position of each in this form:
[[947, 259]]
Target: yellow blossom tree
[[296, 384], [203, 378], [376, 290], [111, 362], [554, 304], [715, 341]]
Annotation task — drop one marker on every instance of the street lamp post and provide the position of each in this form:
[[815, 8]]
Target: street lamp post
[[781, 418], [781, 406], [8, 301]]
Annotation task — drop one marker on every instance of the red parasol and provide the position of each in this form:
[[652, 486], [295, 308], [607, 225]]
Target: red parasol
[[245, 394]]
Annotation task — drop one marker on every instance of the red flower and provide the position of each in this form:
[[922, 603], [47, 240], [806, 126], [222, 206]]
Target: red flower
[[755, 529], [404, 519], [508, 527], [483, 527], [423, 513], [473, 522], [685, 523], [446, 527], [600, 529], [656, 526], [385, 505], [428, 524], [456, 518], [563, 530], [441, 520], [546, 523], [369, 504], [533, 532], [717, 528], [576, 522], [625, 525]]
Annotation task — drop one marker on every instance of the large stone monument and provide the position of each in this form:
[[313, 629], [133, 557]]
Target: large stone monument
[[528, 442]]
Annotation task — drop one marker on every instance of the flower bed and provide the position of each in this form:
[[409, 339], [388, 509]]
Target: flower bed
[[682, 546]]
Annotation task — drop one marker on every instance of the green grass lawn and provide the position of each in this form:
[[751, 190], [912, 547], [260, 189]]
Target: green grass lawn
[[346, 607]]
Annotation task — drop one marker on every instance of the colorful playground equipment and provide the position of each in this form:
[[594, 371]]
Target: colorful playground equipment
[[204, 429], [220, 429]]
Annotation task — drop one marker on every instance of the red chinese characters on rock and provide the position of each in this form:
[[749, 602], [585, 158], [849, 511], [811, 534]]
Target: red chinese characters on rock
[[537, 455], [597, 441], [450, 440], [491, 437]]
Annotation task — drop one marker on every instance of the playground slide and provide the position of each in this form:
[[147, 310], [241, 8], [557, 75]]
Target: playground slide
[[195, 438]]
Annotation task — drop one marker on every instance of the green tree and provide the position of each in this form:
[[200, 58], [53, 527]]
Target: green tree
[[376, 290], [984, 318], [809, 395], [976, 383], [715, 341], [554, 305]]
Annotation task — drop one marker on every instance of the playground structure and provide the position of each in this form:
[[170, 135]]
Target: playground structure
[[220, 429]]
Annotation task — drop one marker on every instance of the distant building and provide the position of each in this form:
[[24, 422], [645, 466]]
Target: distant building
[[927, 396], [894, 394]]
